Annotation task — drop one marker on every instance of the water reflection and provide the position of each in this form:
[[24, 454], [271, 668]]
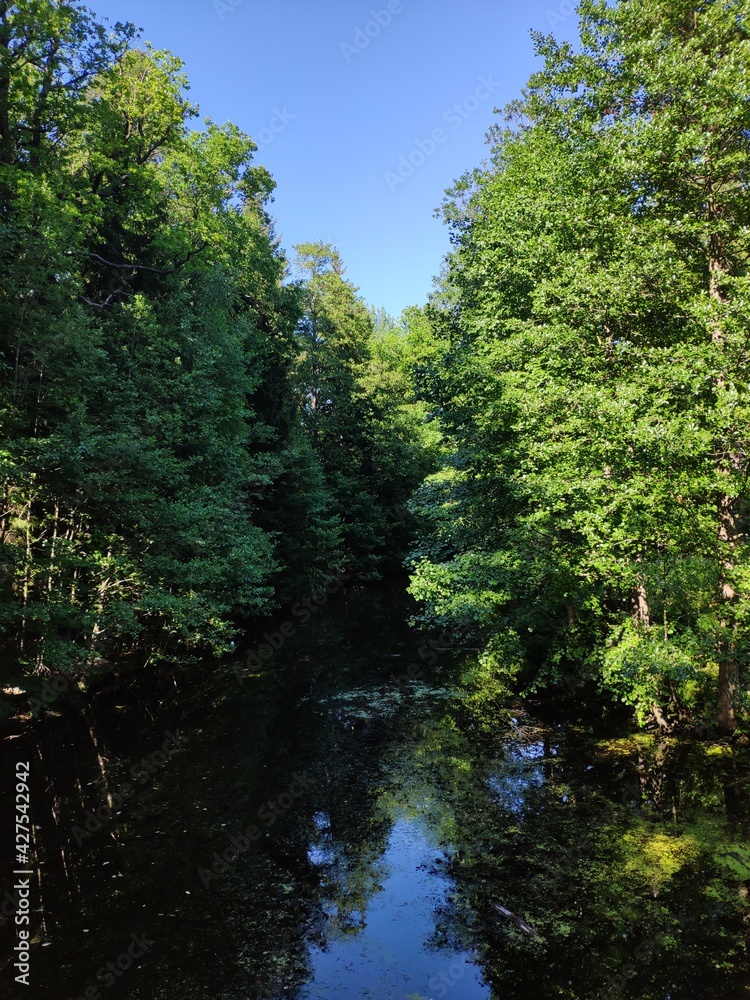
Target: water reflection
[[437, 845], [512, 785], [393, 952]]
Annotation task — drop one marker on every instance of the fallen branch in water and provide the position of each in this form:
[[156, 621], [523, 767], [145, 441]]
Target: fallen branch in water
[[521, 924]]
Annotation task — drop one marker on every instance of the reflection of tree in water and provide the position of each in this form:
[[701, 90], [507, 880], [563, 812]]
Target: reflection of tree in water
[[627, 899], [347, 834], [579, 869], [616, 854]]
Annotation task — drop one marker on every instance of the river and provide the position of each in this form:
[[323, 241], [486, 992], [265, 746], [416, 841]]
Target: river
[[365, 815]]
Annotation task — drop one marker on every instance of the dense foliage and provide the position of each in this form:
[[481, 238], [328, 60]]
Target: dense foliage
[[195, 431], [165, 472], [590, 525]]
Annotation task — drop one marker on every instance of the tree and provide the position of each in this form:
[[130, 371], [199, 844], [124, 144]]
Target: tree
[[359, 411], [146, 335], [593, 317]]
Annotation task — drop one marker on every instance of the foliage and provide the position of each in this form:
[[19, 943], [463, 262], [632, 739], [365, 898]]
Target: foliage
[[360, 412], [165, 474], [158, 482], [593, 377]]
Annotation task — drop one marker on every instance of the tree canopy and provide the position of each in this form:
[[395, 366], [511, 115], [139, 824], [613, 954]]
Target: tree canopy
[[196, 429], [590, 523], [167, 473]]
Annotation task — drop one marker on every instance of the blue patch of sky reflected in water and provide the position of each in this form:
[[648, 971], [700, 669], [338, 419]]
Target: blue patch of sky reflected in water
[[391, 957]]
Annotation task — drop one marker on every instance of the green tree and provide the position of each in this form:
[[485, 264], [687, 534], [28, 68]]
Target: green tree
[[591, 521], [359, 411], [147, 356]]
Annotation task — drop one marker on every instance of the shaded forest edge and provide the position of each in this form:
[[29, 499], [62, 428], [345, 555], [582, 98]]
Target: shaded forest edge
[[197, 431]]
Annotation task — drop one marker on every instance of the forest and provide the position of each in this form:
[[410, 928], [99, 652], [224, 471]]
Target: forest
[[200, 427]]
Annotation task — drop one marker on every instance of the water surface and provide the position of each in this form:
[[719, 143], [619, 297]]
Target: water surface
[[413, 836]]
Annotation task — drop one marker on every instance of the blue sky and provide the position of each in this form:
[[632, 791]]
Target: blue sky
[[342, 94]]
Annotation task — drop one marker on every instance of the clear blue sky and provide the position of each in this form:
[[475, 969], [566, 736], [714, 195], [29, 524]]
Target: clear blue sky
[[346, 112]]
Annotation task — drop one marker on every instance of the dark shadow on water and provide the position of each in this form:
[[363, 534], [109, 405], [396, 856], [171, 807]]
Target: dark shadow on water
[[328, 829]]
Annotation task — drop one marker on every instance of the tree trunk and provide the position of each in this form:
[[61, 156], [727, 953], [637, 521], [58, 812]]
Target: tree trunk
[[571, 611], [728, 674], [727, 526], [639, 600], [640, 604]]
